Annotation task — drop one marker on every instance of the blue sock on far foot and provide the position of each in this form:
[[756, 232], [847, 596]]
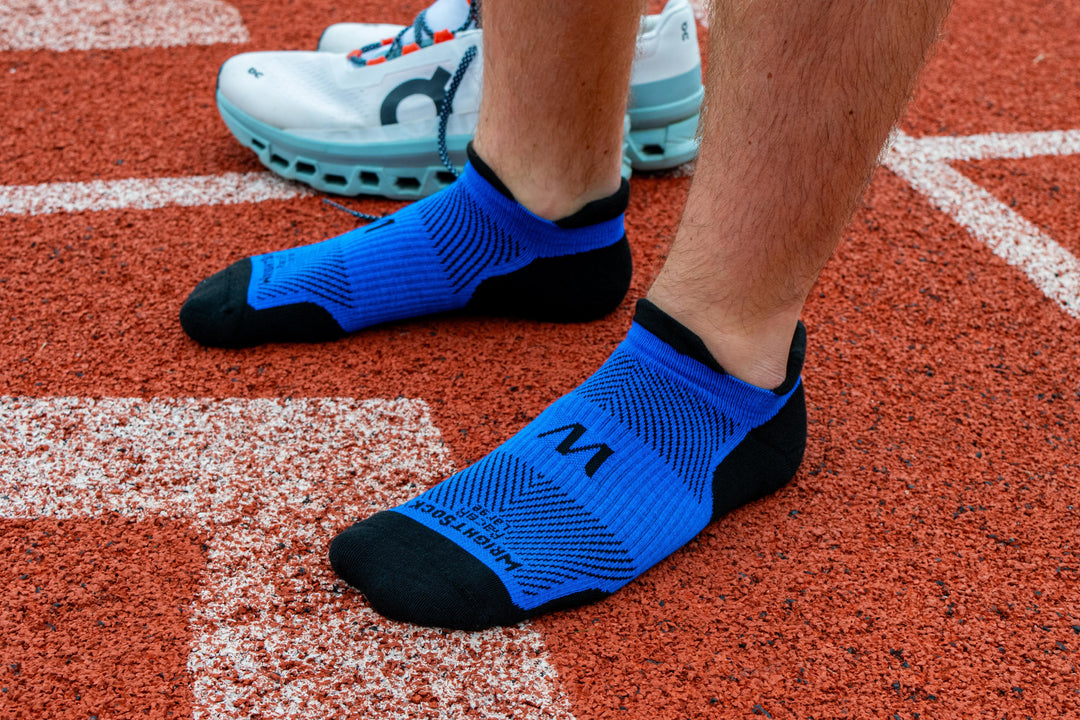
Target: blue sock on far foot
[[469, 247], [605, 483]]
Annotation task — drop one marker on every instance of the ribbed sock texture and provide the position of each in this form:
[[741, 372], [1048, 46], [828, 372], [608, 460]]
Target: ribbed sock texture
[[470, 243], [606, 482], [426, 258]]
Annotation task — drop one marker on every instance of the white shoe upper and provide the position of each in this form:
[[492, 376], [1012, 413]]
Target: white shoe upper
[[330, 97], [325, 96], [666, 44]]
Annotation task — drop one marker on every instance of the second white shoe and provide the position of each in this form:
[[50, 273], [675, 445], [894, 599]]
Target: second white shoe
[[393, 117]]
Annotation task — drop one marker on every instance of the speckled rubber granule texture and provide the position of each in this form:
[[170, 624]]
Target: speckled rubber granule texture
[[95, 617], [924, 562]]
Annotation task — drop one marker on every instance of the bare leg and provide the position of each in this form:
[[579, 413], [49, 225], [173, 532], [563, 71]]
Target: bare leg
[[800, 100], [620, 472], [555, 85]]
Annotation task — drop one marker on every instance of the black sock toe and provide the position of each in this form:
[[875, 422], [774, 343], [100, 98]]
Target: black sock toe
[[413, 574], [217, 314]]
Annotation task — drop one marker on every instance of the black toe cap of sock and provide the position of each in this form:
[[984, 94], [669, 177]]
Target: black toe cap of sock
[[413, 574], [214, 312], [217, 314]]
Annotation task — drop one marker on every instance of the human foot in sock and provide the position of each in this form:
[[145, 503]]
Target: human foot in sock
[[605, 483], [470, 246]]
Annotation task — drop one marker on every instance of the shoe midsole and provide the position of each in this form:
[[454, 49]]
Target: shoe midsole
[[667, 101]]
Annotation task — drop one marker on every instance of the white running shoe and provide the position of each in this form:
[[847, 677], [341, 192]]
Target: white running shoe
[[393, 117]]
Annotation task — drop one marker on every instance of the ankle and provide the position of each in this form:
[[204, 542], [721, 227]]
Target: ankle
[[553, 200], [754, 350], [546, 191]]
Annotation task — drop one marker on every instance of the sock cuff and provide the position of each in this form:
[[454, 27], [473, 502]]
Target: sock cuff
[[681, 338], [544, 237], [486, 172], [596, 211], [668, 348], [610, 209]]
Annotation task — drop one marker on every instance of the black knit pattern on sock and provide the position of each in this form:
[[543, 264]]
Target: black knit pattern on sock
[[570, 288], [465, 254], [532, 501], [327, 279], [769, 456], [653, 407]]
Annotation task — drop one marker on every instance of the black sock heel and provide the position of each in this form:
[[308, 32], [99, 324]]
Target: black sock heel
[[574, 288]]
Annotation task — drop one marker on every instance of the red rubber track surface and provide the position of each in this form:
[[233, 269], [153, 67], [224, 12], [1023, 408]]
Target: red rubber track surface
[[924, 562]]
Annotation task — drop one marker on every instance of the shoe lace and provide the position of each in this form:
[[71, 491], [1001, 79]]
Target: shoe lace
[[422, 33], [425, 36], [447, 107], [355, 213]]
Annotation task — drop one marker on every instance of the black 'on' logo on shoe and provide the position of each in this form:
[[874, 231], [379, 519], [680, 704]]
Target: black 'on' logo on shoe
[[434, 88]]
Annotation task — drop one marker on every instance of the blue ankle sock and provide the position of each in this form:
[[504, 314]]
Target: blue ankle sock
[[605, 483], [470, 246]]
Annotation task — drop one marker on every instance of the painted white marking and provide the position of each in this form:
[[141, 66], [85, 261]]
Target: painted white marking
[[991, 146], [111, 24], [923, 163], [701, 11], [145, 194], [270, 482]]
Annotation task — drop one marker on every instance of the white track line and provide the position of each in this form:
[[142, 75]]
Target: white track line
[[701, 11], [270, 482], [991, 146], [111, 24], [145, 194], [924, 164]]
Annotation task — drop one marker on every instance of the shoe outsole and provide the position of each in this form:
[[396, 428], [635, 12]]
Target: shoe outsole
[[664, 147], [404, 170]]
